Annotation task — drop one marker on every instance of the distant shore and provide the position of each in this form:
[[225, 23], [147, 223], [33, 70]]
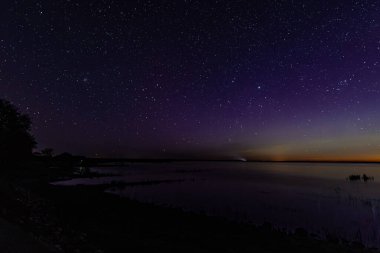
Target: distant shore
[[104, 161]]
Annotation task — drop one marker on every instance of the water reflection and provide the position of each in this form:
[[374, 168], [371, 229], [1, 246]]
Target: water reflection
[[317, 197]]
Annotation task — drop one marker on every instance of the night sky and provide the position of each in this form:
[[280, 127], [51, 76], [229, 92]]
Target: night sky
[[273, 80]]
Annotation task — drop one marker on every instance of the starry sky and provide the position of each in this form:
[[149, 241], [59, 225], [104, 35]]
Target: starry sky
[[267, 80]]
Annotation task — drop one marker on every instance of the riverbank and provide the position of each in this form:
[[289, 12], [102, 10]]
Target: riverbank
[[85, 219]]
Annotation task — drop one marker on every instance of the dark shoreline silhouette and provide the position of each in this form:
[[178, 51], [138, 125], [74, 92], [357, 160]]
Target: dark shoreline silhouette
[[86, 219], [96, 161]]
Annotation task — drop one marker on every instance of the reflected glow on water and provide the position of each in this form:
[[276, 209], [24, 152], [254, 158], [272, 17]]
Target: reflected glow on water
[[314, 196]]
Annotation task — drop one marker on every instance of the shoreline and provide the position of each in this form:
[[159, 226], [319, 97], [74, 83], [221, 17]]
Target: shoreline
[[86, 219]]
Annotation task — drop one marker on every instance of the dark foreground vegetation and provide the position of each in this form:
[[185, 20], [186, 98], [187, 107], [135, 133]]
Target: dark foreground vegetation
[[85, 219]]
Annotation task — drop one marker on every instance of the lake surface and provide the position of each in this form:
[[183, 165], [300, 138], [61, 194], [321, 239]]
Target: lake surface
[[314, 196]]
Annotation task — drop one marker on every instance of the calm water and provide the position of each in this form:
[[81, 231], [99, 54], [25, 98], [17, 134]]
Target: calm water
[[313, 196]]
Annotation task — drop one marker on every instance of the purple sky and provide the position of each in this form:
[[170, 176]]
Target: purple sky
[[277, 80]]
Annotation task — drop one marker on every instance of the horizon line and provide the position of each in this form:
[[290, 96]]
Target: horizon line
[[229, 160]]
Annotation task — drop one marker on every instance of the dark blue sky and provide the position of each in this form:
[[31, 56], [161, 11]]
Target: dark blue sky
[[277, 80]]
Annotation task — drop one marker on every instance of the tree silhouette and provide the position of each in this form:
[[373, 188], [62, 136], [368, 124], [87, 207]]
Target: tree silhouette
[[16, 142], [47, 152]]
